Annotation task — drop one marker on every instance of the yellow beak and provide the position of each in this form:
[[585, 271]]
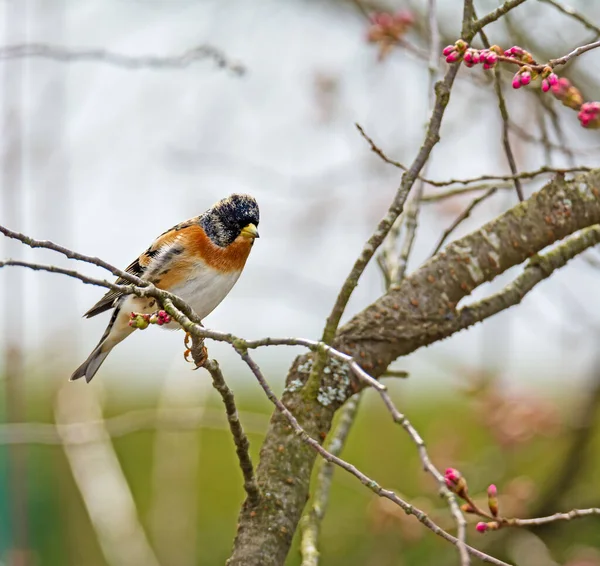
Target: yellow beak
[[250, 231]]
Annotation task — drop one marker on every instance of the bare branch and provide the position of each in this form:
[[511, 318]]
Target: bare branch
[[133, 62], [410, 176], [568, 516], [538, 269], [575, 53], [575, 15], [505, 123], [239, 436], [496, 14], [47, 244], [525, 175], [311, 523]]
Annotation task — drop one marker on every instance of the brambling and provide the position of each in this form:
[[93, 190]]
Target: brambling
[[198, 260]]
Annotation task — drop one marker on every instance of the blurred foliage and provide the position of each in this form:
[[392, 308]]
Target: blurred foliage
[[359, 529]]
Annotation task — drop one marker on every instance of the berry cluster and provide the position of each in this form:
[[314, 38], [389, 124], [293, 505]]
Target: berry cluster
[[142, 321]]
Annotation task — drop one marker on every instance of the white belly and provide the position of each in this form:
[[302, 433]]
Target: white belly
[[205, 289]]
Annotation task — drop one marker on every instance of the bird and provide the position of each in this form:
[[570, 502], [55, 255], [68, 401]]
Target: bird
[[198, 260]]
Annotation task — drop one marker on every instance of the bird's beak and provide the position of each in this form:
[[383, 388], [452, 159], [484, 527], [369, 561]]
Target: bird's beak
[[250, 231]]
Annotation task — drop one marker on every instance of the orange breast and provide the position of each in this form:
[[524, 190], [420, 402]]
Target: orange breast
[[199, 248], [231, 258]]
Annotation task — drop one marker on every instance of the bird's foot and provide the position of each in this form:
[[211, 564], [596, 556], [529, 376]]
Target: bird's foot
[[197, 352]]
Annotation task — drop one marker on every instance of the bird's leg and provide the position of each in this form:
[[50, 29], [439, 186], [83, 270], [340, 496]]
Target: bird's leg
[[187, 342], [196, 349]]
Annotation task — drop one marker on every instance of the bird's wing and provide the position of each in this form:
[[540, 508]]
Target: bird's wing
[[145, 265]]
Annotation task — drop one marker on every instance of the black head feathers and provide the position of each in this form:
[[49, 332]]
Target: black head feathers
[[226, 219]]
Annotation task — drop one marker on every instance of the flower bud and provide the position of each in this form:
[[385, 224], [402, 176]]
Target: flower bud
[[492, 492], [589, 115], [455, 482], [516, 82], [141, 321]]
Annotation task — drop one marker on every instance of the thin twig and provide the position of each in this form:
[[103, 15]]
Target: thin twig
[[575, 15], [435, 197], [510, 157], [568, 516], [428, 466], [496, 14], [239, 436], [525, 175], [408, 179], [47, 244], [411, 215], [575, 53], [311, 522], [69, 55], [462, 217]]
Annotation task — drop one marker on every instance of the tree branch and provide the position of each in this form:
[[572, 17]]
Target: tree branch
[[133, 62], [239, 436]]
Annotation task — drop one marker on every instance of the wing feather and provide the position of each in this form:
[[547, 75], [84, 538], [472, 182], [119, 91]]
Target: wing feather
[[142, 265]]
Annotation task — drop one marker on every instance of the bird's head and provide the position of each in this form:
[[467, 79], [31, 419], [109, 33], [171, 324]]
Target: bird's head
[[230, 218]]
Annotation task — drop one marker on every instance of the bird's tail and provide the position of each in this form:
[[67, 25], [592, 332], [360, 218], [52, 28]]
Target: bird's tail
[[89, 368]]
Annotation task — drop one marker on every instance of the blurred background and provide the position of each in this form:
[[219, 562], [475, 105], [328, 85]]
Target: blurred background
[[102, 156]]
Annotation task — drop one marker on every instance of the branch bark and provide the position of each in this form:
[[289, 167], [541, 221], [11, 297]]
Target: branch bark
[[419, 311]]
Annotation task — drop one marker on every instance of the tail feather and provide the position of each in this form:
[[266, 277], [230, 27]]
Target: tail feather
[[89, 368]]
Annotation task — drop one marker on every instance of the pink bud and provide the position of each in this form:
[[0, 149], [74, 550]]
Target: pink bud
[[589, 113], [452, 474], [448, 49], [490, 60], [545, 85], [525, 78], [492, 490], [516, 82], [552, 79], [515, 51], [481, 527], [453, 57]]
